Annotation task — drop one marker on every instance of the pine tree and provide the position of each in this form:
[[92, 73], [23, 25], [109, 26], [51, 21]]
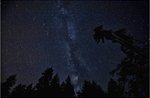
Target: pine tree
[[91, 90], [43, 88], [133, 72], [55, 87], [67, 88], [114, 89], [18, 91]]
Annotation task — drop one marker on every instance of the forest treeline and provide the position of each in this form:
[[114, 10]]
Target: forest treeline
[[131, 75], [49, 86]]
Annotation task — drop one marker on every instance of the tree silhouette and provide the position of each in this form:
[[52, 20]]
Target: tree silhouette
[[30, 91], [43, 88], [114, 89], [18, 91], [6, 86], [133, 72], [67, 88], [49, 86], [23, 91], [91, 90], [101, 34], [55, 87]]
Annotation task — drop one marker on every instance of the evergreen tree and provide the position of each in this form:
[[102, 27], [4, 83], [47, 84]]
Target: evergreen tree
[[91, 90], [55, 87], [43, 88], [30, 91], [114, 89], [18, 91], [67, 88], [133, 72]]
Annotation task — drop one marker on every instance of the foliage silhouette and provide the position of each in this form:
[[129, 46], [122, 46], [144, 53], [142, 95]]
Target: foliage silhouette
[[91, 90], [49, 86], [55, 87], [133, 72], [114, 89], [6, 86], [18, 91], [29, 91], [67, 88], [43, 88], [101, 34]]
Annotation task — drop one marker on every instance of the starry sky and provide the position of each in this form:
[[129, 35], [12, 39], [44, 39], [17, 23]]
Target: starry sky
[[38, 34]]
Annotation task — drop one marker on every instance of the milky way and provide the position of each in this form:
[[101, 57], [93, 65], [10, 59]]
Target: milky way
[[38, 34], [74, 58]]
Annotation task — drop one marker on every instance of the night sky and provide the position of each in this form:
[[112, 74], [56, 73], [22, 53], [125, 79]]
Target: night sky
[[40, 34]]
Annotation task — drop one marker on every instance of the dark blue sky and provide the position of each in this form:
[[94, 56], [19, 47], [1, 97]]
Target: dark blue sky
[[40, 34]]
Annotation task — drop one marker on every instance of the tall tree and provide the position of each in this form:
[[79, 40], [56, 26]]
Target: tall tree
[[43, 88], [55, 87], [18, 91], [133, 72], [114, 89], [91, 90], [67, 88], [29, 91]]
